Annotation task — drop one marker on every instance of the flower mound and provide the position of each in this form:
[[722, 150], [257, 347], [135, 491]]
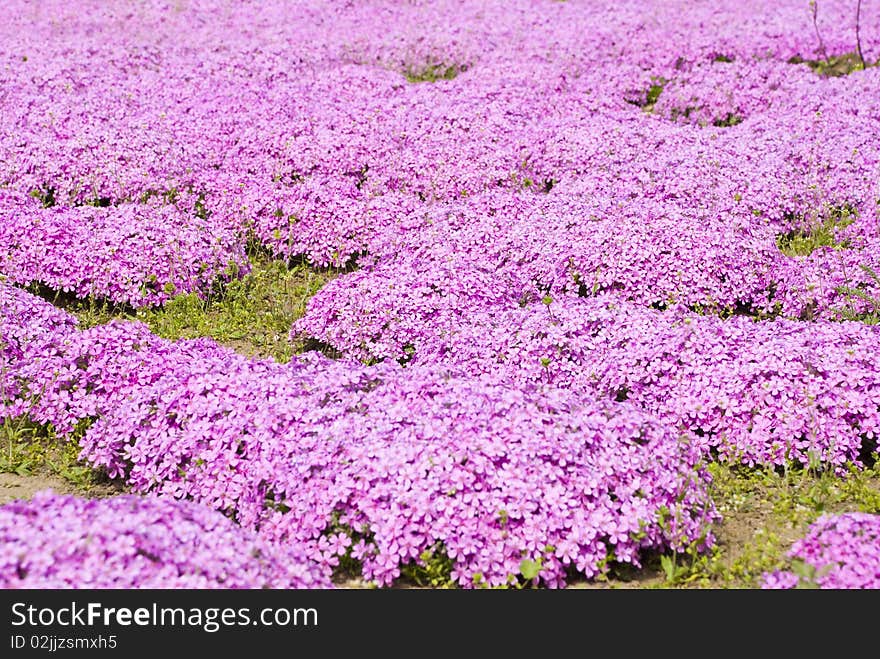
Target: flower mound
[[400, 461], [755, 392], [28, 325], [131, 254], [586, 247], [839, 551], [127, 541]]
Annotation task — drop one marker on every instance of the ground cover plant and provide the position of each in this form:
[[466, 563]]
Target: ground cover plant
[[445, 294], [139, 542]]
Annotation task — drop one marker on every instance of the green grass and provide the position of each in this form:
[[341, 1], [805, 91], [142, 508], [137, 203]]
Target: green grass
[[29, 449], [869, 316], [433, 73], [833, 67], [803, 242], [652, 94], [730, 120], [253, 315], [764, 511]]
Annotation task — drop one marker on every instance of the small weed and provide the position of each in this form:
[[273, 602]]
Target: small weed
[[29, 449], [648, 99], [434, 72], [432, 570], [803, 242], [730, 120], [808, 575], [653, 94], [834, 67], [45, 195], [765, 552], [869, 311]]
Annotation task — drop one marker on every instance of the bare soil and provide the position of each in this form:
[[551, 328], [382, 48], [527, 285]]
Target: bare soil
[[13, 486]]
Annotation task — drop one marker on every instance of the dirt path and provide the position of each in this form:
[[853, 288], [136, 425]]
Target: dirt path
[[13, 486]]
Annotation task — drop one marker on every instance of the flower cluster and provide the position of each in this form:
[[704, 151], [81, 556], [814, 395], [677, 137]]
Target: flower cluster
[[407, 461], [839, 551], [28, 326], [128, 254], [596, 246], [757, 392], [312, 141], [55, 541]]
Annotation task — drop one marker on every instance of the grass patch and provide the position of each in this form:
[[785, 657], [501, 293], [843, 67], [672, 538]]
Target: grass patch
[[653, 94], [803, 242], [45, 195], [648, 99], [869, 315], [833, 67], [730, 120], [253, 315], [434, 72], [432, 570], [764, 511], [29, 449]]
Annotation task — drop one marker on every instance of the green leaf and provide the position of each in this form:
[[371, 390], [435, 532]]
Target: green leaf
[[529, 569]]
